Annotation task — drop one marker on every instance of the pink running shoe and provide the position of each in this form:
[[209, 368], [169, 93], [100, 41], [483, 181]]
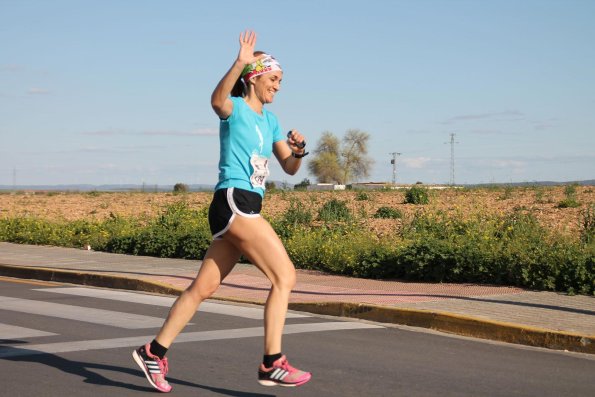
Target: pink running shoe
[[154, 368], [282, 374]]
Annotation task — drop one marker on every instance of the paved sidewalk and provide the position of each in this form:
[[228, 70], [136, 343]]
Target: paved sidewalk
[[508, 314]]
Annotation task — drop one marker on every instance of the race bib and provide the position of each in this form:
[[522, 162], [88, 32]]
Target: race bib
[[261, 170]]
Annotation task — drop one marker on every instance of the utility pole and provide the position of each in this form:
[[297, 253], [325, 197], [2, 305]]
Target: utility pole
[[452, 158], [394, 163]]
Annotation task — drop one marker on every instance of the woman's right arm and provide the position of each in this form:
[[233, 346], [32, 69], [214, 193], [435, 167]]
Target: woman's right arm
[[220, 101]]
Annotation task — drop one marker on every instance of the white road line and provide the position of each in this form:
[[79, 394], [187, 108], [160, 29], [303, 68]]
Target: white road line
[[254, 313], [78, 313], [65, 347], [13, 332]]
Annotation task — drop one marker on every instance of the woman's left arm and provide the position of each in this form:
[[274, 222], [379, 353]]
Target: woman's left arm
[[289, 153]]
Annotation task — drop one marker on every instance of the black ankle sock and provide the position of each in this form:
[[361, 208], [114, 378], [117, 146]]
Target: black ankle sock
[[269, 359], [157, 349]]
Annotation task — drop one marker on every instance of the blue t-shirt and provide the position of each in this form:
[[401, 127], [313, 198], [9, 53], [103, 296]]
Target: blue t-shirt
[[244, 136]]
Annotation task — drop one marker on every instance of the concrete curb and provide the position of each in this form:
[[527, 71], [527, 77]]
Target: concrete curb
[[456, 324], [439, 321], [85, 278]]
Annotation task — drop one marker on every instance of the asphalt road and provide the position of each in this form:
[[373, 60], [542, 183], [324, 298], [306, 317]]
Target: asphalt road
[[60, 340]]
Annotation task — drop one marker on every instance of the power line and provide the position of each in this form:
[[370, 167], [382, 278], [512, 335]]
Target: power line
[[394, 163], [452, 158]]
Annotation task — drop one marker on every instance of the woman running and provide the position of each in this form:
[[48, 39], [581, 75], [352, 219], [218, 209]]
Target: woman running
[[248, 134]]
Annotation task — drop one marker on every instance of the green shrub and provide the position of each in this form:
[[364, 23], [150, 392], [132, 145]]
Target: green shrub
[[513, 249], [417, 195], [570, 201], [28, 230], [438, 224], [483, 251], [570, 190], [388, 213], [507, 193], [334, 211], [540, 195], [296, 215], [362, 196], [587, 225], [179, 232], [348, 251]]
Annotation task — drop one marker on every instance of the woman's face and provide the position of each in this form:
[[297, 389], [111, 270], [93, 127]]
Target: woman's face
[[267, 85]]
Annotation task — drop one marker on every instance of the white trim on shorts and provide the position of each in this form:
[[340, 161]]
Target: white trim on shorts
[[235, 211]]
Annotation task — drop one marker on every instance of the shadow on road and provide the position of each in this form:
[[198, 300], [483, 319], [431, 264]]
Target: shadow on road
[[86, 371]]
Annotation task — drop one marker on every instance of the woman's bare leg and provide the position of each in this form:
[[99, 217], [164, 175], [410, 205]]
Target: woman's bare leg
[[256, 239], [219, 260]]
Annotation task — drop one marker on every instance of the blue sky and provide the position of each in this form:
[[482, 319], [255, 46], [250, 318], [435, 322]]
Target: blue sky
[[111, 92]]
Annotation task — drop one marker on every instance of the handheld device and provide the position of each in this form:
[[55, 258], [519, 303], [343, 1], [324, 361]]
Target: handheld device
[[300, 145]]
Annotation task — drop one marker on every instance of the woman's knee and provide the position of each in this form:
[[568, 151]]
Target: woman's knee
[[201, 290], [285, 280]]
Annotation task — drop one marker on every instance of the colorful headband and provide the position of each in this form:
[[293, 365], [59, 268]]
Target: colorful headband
[[264, 65]]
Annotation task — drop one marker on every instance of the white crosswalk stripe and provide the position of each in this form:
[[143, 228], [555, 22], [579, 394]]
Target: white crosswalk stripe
[[102, 317], [8, 331], [201, 336], [255, 313], [79, 313]]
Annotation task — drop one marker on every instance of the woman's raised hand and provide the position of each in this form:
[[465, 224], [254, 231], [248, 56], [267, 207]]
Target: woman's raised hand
[[247, 43]]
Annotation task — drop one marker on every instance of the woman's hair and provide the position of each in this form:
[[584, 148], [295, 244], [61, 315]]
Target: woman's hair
[[240, 88]]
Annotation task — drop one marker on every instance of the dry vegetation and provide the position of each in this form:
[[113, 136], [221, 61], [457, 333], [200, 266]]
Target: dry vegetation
[[542, 202]]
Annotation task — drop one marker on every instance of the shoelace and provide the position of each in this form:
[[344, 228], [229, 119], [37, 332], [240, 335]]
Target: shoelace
[[285, 365], [163, 366]]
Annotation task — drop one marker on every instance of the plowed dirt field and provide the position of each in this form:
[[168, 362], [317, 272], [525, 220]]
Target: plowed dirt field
[[540, 201]]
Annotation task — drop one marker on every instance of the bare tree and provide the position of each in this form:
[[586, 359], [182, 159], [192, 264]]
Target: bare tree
[[355, 162], [338, 163], [325, 164]]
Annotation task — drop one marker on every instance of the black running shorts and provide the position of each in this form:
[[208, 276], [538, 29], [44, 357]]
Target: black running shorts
[[229, 202]]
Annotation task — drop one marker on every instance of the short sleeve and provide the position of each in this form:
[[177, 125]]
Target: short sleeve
[[278, 134], [236, 108]]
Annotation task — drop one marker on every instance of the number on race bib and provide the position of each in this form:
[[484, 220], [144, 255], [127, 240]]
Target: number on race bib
[[261, 171]]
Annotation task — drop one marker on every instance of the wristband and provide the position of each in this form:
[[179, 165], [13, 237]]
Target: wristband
[[299, 156]]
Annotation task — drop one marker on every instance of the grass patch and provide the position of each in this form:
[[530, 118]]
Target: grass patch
[[570, 201], [362, 196], [334, 211], [388, 213]]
